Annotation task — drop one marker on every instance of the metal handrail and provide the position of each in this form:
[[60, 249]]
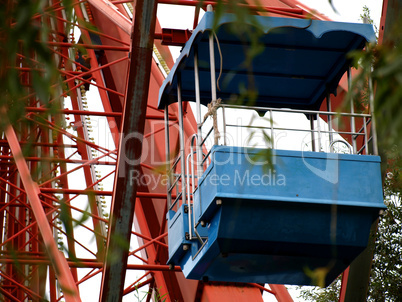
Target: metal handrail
[[175, 201], [301, 130], [362, 132], [190, 192], [311, 112]]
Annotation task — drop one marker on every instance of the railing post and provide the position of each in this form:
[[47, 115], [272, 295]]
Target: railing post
[[318, 131], [365, 136], [312, 133], [271, 122], [168, 167], [212, 71], [198, 114], [352, 111], [329, 109], [373, 122], [182, 142]]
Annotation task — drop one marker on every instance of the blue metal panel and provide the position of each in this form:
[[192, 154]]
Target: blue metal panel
[[274, 245], [314, 211], [307, 55], [300, 177], [178, 232], [177, 228]]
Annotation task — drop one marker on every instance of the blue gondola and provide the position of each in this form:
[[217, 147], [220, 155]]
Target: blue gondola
[[237, 219]]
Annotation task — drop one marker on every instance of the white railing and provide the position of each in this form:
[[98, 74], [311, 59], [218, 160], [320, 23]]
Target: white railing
[[323, 137]]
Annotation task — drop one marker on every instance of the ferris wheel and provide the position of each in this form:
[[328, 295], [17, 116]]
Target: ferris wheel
[[102, 187]]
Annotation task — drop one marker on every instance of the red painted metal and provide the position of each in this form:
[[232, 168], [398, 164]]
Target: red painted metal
[[281, 293], [88, 263], [229, 292], [110, 11], [56, 148], [70, 161], [345, 277], [175, 37], [58, 261], [124, 196], [89, 46], [262, 7], [383, 21]]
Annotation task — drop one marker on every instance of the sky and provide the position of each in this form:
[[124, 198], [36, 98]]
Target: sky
[[347, 10]]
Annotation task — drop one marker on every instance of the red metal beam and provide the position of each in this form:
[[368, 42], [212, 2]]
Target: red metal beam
[[262, 288], [17, 284], [96, 32], [89, 46], [136, 285], [155, 240], [63, 160], [226, 292], [26, 143], [100, 192], [344, 284], [69, 223], [88, 263], [111, 12], [88, 176], [78, 124], [282, 10], [135, 106], [87, 112], [59, 263], [114, 125], [78, 77], [85, 163], [148, 224], [281, 293], [81, 80]]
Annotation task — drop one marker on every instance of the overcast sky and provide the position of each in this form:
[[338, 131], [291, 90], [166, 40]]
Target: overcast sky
[[348, 10]]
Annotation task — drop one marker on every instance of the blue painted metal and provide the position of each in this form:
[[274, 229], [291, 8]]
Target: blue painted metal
[[300, 177], [178, 234], [314, 211], [301, 60]]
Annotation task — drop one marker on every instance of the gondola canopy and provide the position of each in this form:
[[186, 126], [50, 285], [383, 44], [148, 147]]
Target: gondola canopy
[[295, 64]]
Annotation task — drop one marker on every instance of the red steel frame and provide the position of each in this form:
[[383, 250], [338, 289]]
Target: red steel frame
[[32, 204]]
